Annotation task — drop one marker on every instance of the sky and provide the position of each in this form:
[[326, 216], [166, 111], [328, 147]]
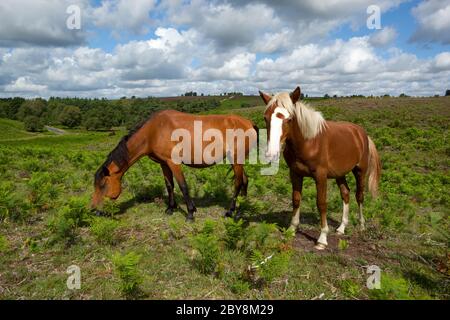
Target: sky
[[156, 48]]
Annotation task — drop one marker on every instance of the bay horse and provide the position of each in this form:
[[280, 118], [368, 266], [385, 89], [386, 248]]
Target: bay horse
[[155, 139], [314, 147]]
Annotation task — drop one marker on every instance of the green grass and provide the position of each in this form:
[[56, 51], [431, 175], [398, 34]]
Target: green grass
[[10, 129], [139, 252]]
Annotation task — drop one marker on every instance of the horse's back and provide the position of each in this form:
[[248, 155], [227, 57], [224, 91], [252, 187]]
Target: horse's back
[[347, 145], [165, 128]]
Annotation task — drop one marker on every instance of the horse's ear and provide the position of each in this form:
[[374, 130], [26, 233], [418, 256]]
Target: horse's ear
[[105, 171], [295, 95], [266, 98]]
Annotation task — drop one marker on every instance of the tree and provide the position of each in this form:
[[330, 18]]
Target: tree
[[447, 93], [92, 123], [34, 107], [33, 124], [70, 116]]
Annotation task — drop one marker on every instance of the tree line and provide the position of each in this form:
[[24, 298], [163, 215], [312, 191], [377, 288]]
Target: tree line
[[93, 114]]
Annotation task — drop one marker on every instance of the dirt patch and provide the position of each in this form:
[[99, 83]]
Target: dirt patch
[[357, 246]]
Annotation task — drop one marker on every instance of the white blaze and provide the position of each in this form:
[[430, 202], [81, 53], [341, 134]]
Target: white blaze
[[276, 130]]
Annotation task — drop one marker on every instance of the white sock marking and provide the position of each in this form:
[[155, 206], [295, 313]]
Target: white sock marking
[[323, 236], [344, 222], [296, 218]]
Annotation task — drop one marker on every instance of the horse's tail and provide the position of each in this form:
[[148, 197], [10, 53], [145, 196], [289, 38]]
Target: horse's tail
[[374, 170]]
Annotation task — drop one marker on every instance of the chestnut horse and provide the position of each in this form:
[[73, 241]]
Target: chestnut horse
[[155, 139], [314, 147]]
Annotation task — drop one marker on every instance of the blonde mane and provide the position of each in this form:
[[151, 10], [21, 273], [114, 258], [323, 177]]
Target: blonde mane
[[310, 121]]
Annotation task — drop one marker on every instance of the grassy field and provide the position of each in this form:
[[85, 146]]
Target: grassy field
[[139, 252]]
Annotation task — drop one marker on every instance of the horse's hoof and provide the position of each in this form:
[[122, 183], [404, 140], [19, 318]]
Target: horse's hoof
[[99, 213], [339, 232], [294, 229], [190, 218], [320, 246], [169, 211]]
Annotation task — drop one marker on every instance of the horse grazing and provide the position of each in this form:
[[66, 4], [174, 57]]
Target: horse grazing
[[158, 138], [314, 147]]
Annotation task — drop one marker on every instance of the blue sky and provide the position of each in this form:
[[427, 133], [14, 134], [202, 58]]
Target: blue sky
[[160, 48]]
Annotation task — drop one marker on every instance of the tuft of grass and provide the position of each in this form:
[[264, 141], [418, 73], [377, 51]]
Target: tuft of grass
[[104, 230], [64, 224], [235, 233], [342, 244], [206, 244], [269, 268], [4, 244], [392, 288], [126, 269]]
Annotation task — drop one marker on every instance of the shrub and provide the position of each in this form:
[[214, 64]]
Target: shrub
[[104, 229], [11, 205], [391, 289], [126, 268], [110, 207], [207, 246], [70, 116], [239, 286], [271, 267], [62, 228], [262, 237], [92, 123], [234, 233], [33, 124], [64, 224], [42, 190]]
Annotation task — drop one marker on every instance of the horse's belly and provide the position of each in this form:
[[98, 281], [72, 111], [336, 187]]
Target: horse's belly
[[302, 169]]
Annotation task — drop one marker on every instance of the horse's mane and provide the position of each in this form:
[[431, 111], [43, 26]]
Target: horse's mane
[[310, 121], [119, 155]]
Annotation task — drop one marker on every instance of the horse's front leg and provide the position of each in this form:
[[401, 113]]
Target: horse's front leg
[[297, 186], [321, 186], [179, 176], [168, 178]]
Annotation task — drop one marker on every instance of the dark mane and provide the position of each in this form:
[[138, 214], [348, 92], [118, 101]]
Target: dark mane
[[119, 155]]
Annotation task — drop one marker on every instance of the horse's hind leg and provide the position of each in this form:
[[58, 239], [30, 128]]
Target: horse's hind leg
[[168, 178], [179, 176], [345, 195], [360, 178], [244, 183], [238, 184]]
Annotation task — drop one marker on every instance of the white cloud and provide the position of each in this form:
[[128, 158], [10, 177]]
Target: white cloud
[[442, 61], [433, 17], [383, 37], [38, 23], [236, 68], [123, 15], [24, 84], [213, 47]]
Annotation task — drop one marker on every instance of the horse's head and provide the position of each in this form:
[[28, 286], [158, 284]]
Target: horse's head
[[107, 183], [278, 120]]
